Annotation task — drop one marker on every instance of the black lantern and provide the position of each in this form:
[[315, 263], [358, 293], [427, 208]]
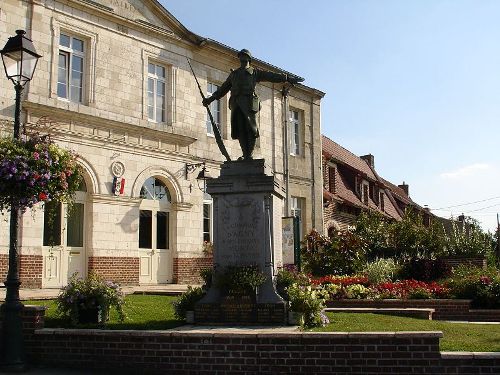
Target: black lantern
[[19, 58]]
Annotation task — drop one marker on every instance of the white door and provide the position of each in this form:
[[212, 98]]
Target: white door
[[154, 234], [64, 251]]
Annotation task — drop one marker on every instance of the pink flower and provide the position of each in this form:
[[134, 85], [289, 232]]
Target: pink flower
[[36, 155]]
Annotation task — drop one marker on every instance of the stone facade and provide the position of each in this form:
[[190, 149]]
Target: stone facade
[[111, 131]]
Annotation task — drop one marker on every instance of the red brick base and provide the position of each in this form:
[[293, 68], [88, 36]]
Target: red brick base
[[124, 271], [187, 270], [30, 271]]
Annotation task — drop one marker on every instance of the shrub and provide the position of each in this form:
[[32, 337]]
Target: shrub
[[87, 293], [425, 269], [286, 277], [479, 285], [187, 301], [206, 275], [467, 239], [380, 270], [357, 291], [341, 254], [240, 280]]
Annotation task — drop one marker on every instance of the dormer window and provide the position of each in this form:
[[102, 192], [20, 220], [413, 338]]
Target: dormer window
[[382, 202], [365, 193]]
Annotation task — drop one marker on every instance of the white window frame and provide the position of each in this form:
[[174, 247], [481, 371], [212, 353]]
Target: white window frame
[[295, 131], [69, 52], [207, 201], [90, 46], [170, 94], [215, 108], [157, 80]]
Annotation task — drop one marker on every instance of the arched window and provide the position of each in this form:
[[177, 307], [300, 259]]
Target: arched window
[[155, 189]]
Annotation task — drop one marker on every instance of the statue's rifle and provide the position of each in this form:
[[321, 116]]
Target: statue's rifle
[[218, 137]]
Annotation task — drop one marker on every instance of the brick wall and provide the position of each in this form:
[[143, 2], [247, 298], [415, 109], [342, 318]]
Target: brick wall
[[30, 271], [454, 262], [187, 270], [124, 271], [445, 309], [184, 352]]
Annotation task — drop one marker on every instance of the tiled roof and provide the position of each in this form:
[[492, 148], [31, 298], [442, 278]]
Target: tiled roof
[[338, 153]]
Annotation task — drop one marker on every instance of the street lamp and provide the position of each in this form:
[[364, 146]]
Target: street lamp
[[202, 177], [19, 59]]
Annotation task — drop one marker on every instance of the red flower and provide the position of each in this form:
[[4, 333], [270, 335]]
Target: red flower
[[42, 196]]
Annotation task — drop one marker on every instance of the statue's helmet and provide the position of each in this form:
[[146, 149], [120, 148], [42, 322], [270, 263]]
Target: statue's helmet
[[244, 51]]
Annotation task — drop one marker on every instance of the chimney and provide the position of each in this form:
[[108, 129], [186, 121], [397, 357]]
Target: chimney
[[405, 188], [370, 160]]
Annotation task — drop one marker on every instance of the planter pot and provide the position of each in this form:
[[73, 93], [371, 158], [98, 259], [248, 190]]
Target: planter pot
[[92, 315], [190, 317], [295, 318]]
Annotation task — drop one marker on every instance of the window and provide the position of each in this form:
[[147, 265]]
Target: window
[[71, 64], [297, 210], [156, 190], [294, 133], [365, 194], [214, 108], [154, 218], [331, 180], [207, 221], [296, 206], [382, 202], [157, 93], [52, 224]]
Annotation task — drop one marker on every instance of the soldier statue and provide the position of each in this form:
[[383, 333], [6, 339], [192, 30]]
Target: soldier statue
[[244, 102]]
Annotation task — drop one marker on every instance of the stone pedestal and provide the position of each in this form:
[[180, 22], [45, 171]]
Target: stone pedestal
[[247, 231]]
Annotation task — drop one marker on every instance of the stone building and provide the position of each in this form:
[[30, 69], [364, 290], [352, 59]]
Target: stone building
[[114, 85]]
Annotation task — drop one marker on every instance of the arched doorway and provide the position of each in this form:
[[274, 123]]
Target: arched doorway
[[64, 245], [155, 233]]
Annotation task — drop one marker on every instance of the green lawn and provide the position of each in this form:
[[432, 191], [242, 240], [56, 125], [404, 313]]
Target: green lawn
[[456, 336], [147, 312], [152, 312]]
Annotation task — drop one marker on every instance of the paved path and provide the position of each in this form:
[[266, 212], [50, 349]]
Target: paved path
[[27, 294]]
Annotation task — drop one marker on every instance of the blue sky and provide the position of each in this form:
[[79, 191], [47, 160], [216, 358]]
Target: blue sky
[[415, 83]]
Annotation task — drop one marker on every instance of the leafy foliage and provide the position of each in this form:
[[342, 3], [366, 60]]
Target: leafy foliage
[[240, 280], [425, 269], [482, 286], [187, 301], [467, 239], [381, 270], [338, 255], [310, 302]]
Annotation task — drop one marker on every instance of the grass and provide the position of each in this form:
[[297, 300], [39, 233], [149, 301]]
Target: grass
[[456, 336], [153, 312], [144, 312]]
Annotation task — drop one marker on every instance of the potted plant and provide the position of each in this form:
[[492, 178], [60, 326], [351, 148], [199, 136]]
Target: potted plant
[[185, 304], [88, 300], [36, 170]]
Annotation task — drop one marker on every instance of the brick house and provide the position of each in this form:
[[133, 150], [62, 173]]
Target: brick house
[[114, 85], [351, 185]]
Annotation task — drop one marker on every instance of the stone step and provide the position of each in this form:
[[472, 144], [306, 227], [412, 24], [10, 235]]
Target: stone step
[[409, 312]]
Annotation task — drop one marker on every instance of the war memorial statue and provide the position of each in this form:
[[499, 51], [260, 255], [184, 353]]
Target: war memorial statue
[[247, 211], [244, 102]]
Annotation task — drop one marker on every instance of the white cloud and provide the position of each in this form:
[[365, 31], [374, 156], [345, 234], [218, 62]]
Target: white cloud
[[466, 171]]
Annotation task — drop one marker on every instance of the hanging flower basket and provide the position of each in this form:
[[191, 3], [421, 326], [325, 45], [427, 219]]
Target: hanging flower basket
[[36, 170]]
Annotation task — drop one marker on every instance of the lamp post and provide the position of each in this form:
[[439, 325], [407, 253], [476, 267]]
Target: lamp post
[[19, 59]]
